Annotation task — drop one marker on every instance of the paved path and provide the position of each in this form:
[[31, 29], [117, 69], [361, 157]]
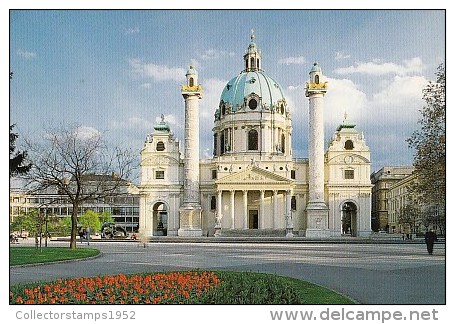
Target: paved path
[[369, 273]]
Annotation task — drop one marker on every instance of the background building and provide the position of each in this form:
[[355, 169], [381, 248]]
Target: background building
[[382, 181], [123, 206]]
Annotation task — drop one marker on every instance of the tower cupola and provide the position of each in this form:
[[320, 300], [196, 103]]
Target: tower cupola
[[191, 77], [315, 85]]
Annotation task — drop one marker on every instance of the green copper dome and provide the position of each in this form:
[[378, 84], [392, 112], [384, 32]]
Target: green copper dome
[[250, 84], [162, 126]]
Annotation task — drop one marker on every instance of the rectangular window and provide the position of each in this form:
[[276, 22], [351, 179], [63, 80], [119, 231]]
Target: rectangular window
[[293, 203], [349, 174], [213, 203], [292, 174], [159, 174], [213, 174]]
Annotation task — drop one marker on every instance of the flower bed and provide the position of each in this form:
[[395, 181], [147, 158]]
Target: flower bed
[[190, 287], [160, 288]]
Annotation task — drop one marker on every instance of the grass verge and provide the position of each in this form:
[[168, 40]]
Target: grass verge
[[30, 255]]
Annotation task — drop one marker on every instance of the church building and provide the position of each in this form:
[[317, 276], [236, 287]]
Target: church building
[[253, 185]]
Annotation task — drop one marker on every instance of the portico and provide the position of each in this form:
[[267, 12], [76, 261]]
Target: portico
[[254, 199]]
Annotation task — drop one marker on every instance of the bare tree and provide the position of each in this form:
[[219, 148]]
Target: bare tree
[[79, 165]]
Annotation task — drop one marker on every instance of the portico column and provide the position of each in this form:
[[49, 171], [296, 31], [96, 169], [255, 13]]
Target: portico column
[[275, 207], [245, 209], [232, 209], [219, 205], [289, 222], [262, 211], [288, 204]]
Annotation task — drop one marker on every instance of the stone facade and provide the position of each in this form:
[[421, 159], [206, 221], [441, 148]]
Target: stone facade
[[254, 185], [382, 181]]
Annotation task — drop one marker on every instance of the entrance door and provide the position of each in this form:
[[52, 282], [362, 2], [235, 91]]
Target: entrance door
[[253, 219], [349, 219]]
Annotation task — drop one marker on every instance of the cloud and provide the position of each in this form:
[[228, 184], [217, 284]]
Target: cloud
[[401, 97], [341, 56], [213, 88], [86, 132], [157, 72], [413, 65], [133, 30], [344, 96], [212, 54], [26, 54], [292, 60]]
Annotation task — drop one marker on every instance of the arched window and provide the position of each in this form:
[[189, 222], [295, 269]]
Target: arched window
[[258, 64], [160, 146], [348, 145], [316, 79], [253, 140], [252, 62], [191, 82], [283, 143]]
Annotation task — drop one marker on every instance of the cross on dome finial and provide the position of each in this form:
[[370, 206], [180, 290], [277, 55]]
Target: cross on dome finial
[[345, 117], [162, 118], [252, 35]]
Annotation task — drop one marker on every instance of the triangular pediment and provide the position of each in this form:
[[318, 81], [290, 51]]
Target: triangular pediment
[[254, 175]]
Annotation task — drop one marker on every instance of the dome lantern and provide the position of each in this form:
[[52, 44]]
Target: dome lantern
[[252, 57]]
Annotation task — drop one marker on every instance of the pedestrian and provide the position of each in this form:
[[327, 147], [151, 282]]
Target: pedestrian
[[87, 233], [430, 238], [81, 234]]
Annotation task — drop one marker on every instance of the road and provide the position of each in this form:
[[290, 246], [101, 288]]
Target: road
[[369, 273]]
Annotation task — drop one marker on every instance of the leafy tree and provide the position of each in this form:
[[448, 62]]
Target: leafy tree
[[60, 226], [90, 218], [24, 222], [78, 164], [409, 215], [17, 159], [106, 217], [429, 143]]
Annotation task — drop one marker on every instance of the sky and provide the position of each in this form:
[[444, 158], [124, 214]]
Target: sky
[[117, 71]]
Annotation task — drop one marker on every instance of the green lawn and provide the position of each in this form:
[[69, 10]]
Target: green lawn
[[263, 288], [29, 255]]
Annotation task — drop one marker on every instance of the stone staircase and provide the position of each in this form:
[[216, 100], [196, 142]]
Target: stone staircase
[[253, 233]]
